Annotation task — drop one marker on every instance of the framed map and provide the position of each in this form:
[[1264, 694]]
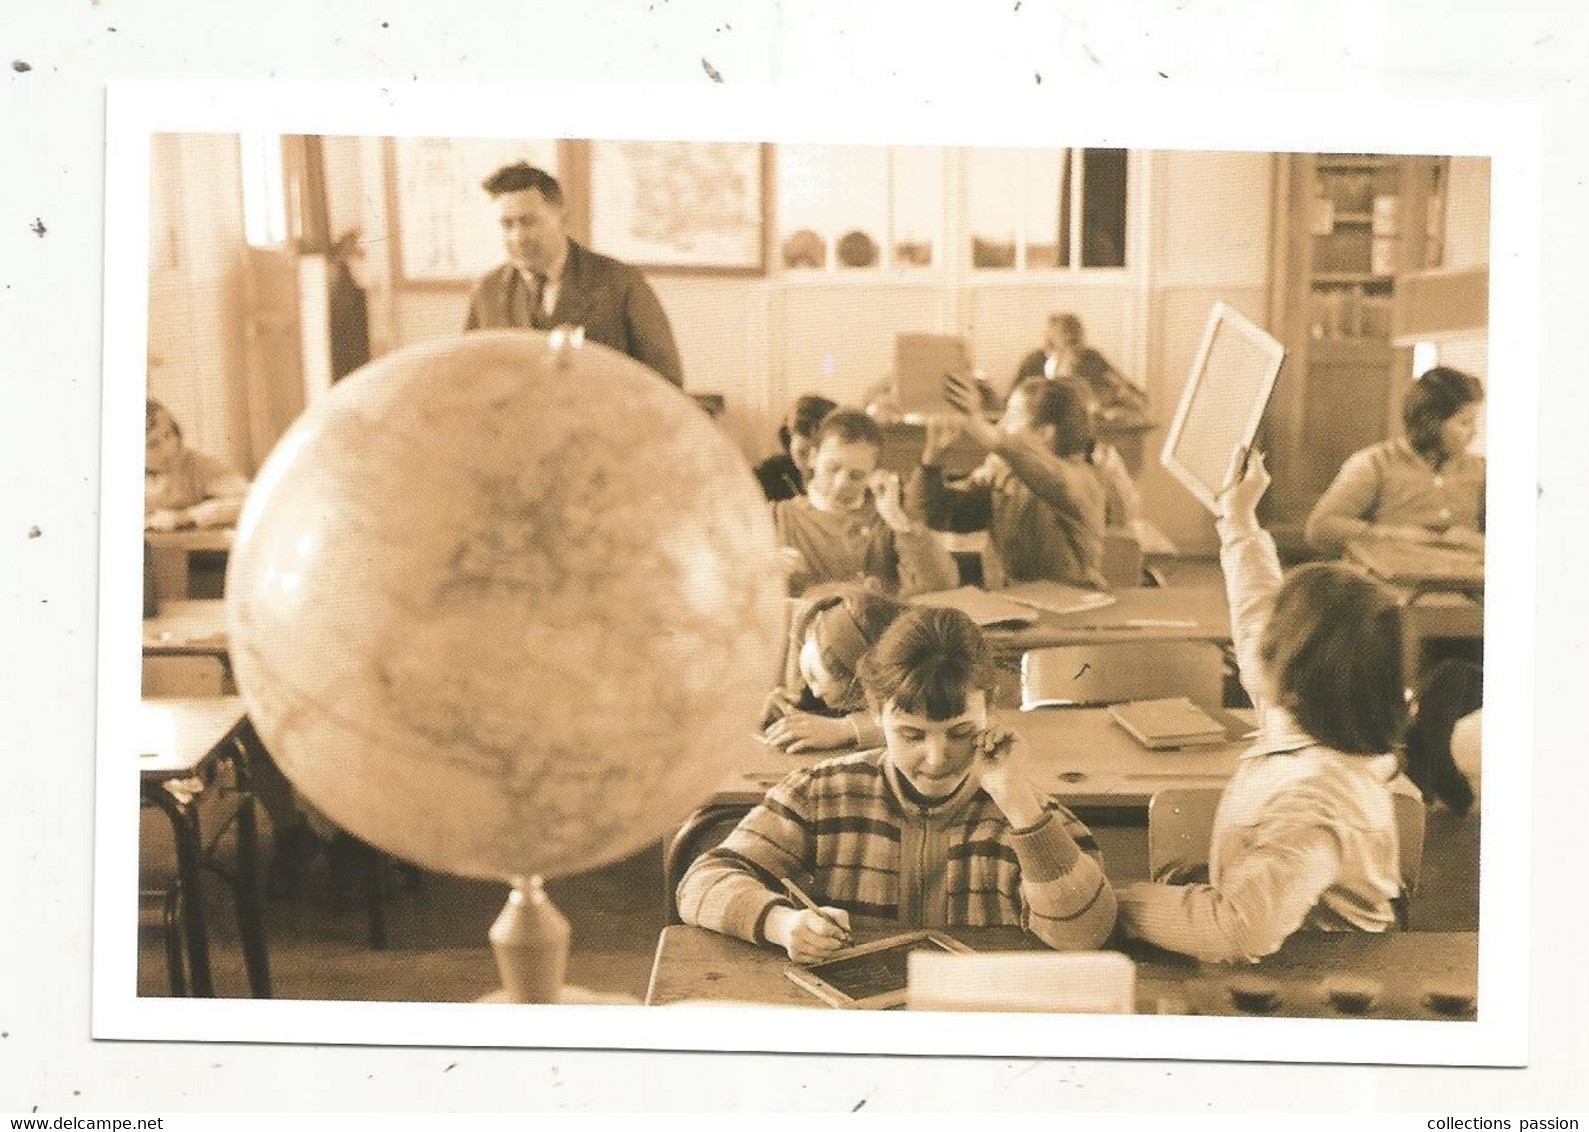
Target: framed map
[[445, 226], [680, 206]]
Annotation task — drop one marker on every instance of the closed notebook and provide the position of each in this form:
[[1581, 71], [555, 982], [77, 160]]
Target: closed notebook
[[1176, 722], [1057, 597], [986, 609]]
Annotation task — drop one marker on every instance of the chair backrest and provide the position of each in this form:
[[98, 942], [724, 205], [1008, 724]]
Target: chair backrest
[[1114, 672], [1122, 558], [1181, 826], [705, 829]]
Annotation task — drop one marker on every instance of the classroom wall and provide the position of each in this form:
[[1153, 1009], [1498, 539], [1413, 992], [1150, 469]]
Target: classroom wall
[[1203, 234], [196, 362], [1211, 242]]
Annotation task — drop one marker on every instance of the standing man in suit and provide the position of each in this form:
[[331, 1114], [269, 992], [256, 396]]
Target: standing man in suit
[[550, 280]]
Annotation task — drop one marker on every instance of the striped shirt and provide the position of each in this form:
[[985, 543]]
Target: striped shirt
[[1305, 836], [845, 831]]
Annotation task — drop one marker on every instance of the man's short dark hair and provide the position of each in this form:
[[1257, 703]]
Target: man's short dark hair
[[521, 175], [851, 426]]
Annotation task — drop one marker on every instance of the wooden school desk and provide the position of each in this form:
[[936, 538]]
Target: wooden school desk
[[185, 745], [172, 554], [1080, 755], [185, 650], [1440, 590], [1139, 613], [1423, 975]]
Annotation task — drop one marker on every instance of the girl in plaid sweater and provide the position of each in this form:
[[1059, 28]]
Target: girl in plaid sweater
[[942, 826]]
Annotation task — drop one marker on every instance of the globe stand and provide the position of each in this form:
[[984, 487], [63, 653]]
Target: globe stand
[[530, 941]]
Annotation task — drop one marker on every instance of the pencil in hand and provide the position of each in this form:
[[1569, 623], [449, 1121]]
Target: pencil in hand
[[798, 894]]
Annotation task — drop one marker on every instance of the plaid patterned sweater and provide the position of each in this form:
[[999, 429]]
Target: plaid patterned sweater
[[846, 833]]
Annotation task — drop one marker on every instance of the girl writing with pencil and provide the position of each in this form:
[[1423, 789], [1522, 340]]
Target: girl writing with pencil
[[942, 826], [1305, 834]]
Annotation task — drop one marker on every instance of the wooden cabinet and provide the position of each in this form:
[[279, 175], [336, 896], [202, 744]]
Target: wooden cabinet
[[1346, 226]]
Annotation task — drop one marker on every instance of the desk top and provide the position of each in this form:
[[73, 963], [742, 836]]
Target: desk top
[[696, 966], [192, 538], [1140, 613], [177, 735], [193, 627], [1080, 755], [1414, 564]]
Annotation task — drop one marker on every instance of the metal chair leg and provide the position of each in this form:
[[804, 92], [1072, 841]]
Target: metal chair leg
[[173, 941]]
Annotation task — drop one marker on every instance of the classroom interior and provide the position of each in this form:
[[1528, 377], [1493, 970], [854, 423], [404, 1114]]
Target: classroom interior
[[277, 264]]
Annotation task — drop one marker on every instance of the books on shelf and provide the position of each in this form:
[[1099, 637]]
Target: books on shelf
[[1057, 597], [1175, 722], [989, 610]]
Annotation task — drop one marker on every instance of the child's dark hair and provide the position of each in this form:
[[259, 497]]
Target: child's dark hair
[[1432, 400], [851, 426], [849, 624], [521, 175], [1333, 649], [1453, 689], [804, 418], [928, 663], [1062, 405], [154, 412]]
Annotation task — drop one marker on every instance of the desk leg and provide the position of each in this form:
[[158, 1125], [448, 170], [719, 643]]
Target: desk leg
[[185, 830], [245, 897]]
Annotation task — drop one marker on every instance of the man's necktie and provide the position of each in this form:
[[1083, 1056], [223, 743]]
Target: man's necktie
[[538, 319]]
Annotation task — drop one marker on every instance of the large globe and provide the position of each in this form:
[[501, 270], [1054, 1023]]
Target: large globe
[[501, 608]]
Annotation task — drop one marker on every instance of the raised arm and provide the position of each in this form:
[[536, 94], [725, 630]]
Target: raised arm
[[1251, 567], [1062, 484], [909, 556]]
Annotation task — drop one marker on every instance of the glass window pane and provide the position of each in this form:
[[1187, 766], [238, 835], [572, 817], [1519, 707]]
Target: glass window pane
[[1103, 217], [918, 204], [264, 190], [803, 176], [1047, 226], [993, 176]]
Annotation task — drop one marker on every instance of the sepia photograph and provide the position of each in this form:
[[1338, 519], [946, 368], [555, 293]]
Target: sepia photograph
[[980, 587]]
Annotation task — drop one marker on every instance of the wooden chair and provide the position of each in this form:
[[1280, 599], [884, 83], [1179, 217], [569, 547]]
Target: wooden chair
[[1181, 824], [705, 829], [1117, 671], [1123, 564]]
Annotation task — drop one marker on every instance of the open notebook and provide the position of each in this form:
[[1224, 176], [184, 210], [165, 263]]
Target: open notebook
[[989, 610]]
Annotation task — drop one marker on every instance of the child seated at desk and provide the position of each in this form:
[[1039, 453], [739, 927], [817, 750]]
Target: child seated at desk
[[851, 525], [784, 475], [820, 706], [184, 488], [1043, 506], [943, 826], [1425, 487], [1305, 835]]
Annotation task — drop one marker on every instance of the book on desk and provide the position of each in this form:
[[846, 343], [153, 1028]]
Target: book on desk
[[1018, 606]]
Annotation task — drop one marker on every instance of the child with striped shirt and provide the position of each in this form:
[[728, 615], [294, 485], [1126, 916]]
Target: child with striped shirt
[[941, 827], [1305, 835]]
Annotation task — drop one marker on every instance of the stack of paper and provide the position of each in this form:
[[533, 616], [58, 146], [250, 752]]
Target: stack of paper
[[1158, 724], [986, 609], [1056, 597]]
